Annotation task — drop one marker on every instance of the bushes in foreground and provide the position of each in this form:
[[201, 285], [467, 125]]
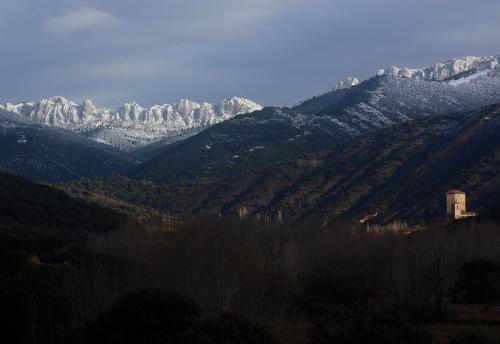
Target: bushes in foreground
[[266, 273]]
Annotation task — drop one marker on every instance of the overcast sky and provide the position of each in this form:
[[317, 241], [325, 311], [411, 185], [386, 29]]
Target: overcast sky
[[275, 52]]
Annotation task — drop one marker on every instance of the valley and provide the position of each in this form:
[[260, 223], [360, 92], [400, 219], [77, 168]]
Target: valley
[[355, 150], [368, 213]]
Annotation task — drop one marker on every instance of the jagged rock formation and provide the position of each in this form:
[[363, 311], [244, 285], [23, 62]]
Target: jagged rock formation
[[347, 83], [448, 69], [131, 126]]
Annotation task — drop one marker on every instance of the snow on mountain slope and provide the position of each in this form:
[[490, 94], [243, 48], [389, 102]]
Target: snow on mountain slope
[[322, 122], [131, 126], [335, 117], [448, 69], [346, 83], [392, 96], [397, 95], [464, 68]]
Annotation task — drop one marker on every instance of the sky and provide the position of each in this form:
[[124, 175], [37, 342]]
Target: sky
[[275, 52]]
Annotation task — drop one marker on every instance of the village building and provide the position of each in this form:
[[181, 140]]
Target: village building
[[456, 208]]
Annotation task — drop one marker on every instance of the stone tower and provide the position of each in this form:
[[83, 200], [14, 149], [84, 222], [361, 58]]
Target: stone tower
[[455, 205]]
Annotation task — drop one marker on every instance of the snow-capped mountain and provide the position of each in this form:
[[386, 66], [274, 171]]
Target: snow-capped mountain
[[131, 126], [393, 135], [346, 83], [332, 118], [465, 68], [446, 70], [396, 95]]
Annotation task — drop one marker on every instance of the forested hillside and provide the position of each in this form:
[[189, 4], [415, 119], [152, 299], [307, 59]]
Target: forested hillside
[[54, 155], [401, 172], [39, 219]]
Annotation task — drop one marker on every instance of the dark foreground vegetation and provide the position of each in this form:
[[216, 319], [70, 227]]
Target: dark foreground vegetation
[[230, 281]]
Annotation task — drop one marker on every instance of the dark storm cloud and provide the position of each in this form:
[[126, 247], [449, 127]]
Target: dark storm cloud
[[272, 51]]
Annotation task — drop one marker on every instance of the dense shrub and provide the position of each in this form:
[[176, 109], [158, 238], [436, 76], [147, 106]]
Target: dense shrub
[[154, 317], [148, 317]]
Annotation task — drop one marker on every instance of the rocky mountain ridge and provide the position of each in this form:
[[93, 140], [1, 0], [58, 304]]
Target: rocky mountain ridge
[[448, 69], [441, 71], [132, 125]]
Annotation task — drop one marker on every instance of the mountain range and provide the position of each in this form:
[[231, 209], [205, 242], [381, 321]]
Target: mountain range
[[250, 142], [131, 126], [392, 143], [402, 172]]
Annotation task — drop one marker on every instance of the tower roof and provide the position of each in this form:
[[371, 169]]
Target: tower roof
[[454, 192]]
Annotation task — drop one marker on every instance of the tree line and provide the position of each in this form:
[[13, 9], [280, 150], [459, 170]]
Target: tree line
[[257, 278]]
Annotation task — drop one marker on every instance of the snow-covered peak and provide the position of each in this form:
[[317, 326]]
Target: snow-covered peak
[[87, 103], [445, 70], [58, 105], [347, 83], [59, 100], [130, 111], [187, 106], [237, 106], [89, 108], [55, 111], [132, 125]]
